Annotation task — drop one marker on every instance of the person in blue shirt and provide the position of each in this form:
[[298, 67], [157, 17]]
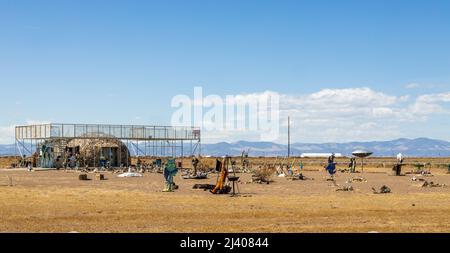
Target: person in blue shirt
[[331, 166]]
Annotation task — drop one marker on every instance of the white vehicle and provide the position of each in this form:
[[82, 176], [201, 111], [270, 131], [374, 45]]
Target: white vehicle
[[320, 155]]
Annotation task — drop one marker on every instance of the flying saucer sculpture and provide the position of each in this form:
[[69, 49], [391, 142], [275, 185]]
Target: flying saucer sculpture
[[362, 154]]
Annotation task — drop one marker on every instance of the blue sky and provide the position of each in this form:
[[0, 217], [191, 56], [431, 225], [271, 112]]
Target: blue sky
[[123, 61]]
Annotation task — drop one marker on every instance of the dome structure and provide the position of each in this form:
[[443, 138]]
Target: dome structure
[[95, 152]]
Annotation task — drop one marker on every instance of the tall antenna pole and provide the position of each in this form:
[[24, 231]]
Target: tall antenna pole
[[289, 136]]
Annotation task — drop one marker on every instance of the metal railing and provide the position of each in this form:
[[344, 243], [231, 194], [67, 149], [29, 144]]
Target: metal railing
[[89, 131]]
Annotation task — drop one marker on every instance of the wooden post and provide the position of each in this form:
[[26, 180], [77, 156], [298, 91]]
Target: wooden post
[[289, 136]]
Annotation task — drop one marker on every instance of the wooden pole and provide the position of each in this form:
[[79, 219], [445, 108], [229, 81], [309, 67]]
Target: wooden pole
[[362, 164], [289, 136]]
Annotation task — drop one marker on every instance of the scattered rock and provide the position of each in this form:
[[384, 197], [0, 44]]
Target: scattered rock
[[359, 179], [414, 178], [203, 186], [432, 184], [383, 189], [346, 188], [298, 177], [82, 177], [100, 177]]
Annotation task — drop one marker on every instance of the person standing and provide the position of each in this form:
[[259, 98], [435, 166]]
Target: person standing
[[352, 165], [77, 161], [331, 167], [102, 161], [73, 162], [195, 164], [399, 158], [398, 166], [138, 163], [331, 158]]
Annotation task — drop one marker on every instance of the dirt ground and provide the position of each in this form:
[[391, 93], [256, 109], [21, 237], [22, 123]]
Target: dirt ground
[[56, 201]]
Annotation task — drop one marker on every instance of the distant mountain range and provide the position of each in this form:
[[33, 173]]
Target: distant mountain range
[[423, 147], [8, 149]]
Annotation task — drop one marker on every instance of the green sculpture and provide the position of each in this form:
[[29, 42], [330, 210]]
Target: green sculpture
[[170, 171], [46, 156]]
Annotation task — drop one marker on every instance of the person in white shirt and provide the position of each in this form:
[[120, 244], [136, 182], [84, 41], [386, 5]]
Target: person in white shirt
[[400, 158], [398, 166]]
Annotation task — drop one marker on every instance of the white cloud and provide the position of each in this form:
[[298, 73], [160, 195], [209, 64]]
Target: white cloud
[[343, 97], [412, 85], [353, 114], [439, 97], [328, 115], [424, 86], [431, 104], [6, 134], [383, 112], [37, 122]]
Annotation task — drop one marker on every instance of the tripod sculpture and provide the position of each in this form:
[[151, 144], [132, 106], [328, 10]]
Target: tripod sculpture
[[221, 186]]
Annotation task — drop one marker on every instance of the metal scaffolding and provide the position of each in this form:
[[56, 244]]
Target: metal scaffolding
[[140, 140]]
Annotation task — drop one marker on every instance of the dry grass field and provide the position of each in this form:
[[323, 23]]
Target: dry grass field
[[56, 201], [6, 161]]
